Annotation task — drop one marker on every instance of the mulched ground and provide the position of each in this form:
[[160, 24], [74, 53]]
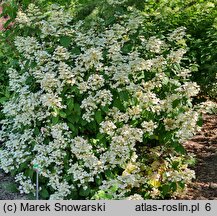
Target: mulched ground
[[203, 145], [5, 187]]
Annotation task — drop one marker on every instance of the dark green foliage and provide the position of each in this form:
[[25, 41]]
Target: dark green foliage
[[199, 18]]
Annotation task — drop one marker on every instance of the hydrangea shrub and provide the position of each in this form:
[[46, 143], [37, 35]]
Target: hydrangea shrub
[[103, 111]]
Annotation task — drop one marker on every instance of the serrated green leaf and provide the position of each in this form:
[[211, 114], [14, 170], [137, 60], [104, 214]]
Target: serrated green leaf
[[77, 107], [83, 122], [76, 118], [114, 188], [117, 103], [165, 189], [110, 20], [127, 48]]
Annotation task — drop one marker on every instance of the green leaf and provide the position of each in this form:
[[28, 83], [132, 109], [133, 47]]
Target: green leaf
[[7, 93], [124, 96], [30, 196], [109, 174], [100, 195], [181, 184], [117, 103], [77, 108], [110, 20], [98, 180], [76, 51], [22, 167], [65, 41], [70, 104], [200, 121], [77, 112], [29, 172], [165, 189], [127, 48], [76, 118], [98, 116], [71, 119], [114, 188], [55, 119], [63, 114], [44, 193], [71, 126], [105, 108], [99, 136], [84, 192], [46, 140], [3, 100], [83, 122], [173, 186], [175, 103], [74, 194], [179, 148], [36, 131]]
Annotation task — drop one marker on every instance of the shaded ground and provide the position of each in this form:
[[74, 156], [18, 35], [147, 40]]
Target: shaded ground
[[8, 189], [203, 145]]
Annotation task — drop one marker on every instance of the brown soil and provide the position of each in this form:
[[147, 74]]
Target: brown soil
[[2, 20], [204, 146]]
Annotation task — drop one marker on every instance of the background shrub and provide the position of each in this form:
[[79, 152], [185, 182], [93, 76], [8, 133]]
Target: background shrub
[[199, 18]]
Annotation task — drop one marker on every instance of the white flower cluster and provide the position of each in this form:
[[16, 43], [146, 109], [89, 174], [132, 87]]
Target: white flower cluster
[[120, 99], [155, 45], [209, 107], [102, 97], [135, 197], [116, 2], [178, 34]]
